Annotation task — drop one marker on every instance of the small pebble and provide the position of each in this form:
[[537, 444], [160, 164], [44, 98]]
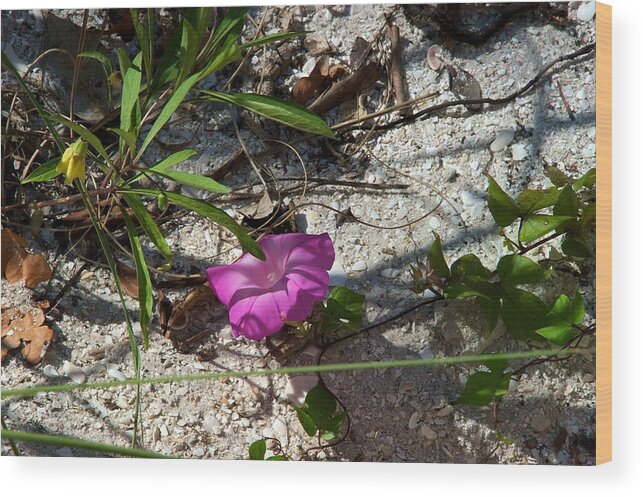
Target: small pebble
[[298, 387], [426, 353], [519, 152], [586, 11], [503, 138], [74, 372], [64, 452], [199, 452], [50, 371], [390, 273], [414, 421], [359, 266], [116, 374]]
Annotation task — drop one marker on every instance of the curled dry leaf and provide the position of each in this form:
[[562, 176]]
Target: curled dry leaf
[[317, 45], [306, 87], [193, 317], [25, 332], [128, 280], [465, 86], [18, 264], [260, 210]]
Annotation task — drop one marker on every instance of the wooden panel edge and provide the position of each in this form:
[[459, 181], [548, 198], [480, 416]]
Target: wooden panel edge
[[603, 233]]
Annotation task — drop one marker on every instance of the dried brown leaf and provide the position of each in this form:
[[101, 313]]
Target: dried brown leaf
[[317, 45], [18, 264], [195, 316], [259, 210], [466, 86], [26, 332], [35, 270], [128, 280], [12, 245]]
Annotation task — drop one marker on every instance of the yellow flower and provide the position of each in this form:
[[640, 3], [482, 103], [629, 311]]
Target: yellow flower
[[72, 163]]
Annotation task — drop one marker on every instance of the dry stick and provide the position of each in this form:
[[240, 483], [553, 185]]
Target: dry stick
[[396, 71], [424, 114], [569, 110]]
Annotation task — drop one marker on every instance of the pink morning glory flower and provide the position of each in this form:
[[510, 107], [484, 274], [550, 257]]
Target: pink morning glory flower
[[262, 295]]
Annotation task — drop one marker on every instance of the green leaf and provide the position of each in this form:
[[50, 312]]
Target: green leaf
[[588, 220], [145, 40], [257, 450], [128, 138], [277, 458], [320, 403], [223, 57], [172, 160], [194, 180], [575, 247], [166, 163], [168, 109], [559, 333], [437, 263], [538, 225], [45, 172], [556, 176], [471, 287], [124, 61], [469, 265], [530, 201], [282, 111], [342, 309], [306, 421], [348, 303], [587, 180], [522, 312], [561, 306], [129, 96], [577, 309], [145, 297], [503, 208], [519, 270], [483, 388], [491, 310], [188, 51], [230, 27], [211, 212], [567, 204], [148, 225], [571, 312], [270, 38], [318, 414], [87, 135], [496, 366]]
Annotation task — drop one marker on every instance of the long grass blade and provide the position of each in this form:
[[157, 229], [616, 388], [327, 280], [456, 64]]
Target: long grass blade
[[282, 111], [293, 370], [145, 298], [149, 226], [78, 443]]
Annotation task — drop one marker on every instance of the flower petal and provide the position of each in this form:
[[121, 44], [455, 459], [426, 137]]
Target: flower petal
[[298, 248], [256, 317], [246, 272], [310, 280]]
